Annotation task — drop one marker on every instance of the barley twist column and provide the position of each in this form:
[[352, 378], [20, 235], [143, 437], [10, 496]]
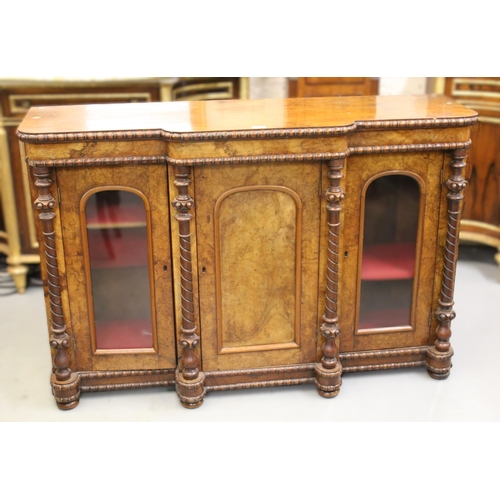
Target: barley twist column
[[65, 383], [439, 356], [189, 379], [329, 371]]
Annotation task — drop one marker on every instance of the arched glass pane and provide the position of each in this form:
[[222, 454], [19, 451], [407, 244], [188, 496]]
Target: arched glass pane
[[389, 246], [119, 267]]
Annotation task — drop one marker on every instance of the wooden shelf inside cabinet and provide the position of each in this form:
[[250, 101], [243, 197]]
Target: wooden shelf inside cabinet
[[124, 216], [116, 230], [392, 261]]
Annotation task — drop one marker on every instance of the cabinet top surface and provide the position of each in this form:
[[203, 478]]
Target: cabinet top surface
[[239, 115]]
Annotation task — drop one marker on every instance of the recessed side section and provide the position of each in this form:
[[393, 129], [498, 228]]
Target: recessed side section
[[391, 219], [258, 251], [116, 225]]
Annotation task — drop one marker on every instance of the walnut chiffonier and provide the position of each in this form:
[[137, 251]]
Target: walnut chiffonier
[[235, 244]]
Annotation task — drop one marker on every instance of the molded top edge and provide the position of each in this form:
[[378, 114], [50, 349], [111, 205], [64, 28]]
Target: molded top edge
[[242, 118]]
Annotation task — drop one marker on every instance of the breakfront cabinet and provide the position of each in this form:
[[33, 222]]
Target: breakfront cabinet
[[236, 244]]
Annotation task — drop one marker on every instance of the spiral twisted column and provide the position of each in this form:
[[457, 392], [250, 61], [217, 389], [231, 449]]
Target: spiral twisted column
[[65, 383], [439, 356], [329, 371], [189, 379]]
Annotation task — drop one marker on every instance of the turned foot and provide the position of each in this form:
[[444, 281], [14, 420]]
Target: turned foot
[[68, 406], [328, 382], [439, 363], [190, 392], [191, 406], [66, 393], [19, 274]]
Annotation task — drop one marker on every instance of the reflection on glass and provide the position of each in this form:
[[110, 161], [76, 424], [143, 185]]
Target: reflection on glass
[[388, 260], [118, 249]]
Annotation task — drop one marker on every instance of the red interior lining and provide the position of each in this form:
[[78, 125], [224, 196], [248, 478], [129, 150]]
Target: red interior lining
[[393, 261], [385, 318], [127, 334]]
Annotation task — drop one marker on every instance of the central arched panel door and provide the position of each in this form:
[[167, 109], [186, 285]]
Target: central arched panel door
[[258, 244]]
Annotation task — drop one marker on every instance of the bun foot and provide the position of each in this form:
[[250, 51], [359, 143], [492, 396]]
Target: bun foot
[[328, 382], [439, 363], [67, 392], [68, 406], [190, 392]]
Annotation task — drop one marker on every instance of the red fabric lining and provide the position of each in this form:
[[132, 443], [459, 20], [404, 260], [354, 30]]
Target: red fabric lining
[[118, 247], [385, 318], [127, 334], [393, 261]]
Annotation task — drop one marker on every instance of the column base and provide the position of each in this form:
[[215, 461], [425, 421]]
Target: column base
[[328, 382], [439, 363], [190, 392], [67, 393]]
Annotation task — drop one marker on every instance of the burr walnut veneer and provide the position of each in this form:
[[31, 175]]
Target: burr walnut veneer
[[235, 244]]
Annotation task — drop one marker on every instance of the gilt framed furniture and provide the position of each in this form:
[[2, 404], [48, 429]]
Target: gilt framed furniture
[[17, 230], [481, 214], [235, 244]]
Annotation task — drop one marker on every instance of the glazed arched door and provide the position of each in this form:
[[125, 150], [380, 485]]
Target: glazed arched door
[[118, 266], [386, 259]]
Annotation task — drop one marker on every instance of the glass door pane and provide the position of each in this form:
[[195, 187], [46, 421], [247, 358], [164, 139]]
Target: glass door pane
[[119, 266], [389, 246]]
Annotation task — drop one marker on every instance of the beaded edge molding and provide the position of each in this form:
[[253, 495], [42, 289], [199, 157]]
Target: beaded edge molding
[[245, 134], [231, 160]]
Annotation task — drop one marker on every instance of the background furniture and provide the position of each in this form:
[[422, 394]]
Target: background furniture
[[235, 244], [332, 86], [481, 216], [17, 233]]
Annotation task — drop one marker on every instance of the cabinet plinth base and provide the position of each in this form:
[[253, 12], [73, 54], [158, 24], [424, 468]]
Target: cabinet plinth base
[[328, 382], [67, 393], [439, 363]]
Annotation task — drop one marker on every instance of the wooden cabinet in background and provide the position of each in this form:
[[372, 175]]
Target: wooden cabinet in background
[[17, 231], [308, 86], [227, 245], [481, 215]]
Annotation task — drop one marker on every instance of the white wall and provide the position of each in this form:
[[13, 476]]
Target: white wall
[[402, 86]]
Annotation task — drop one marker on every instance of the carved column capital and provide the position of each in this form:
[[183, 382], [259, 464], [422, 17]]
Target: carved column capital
[[60, 342], [445, 314], [183, 205]]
